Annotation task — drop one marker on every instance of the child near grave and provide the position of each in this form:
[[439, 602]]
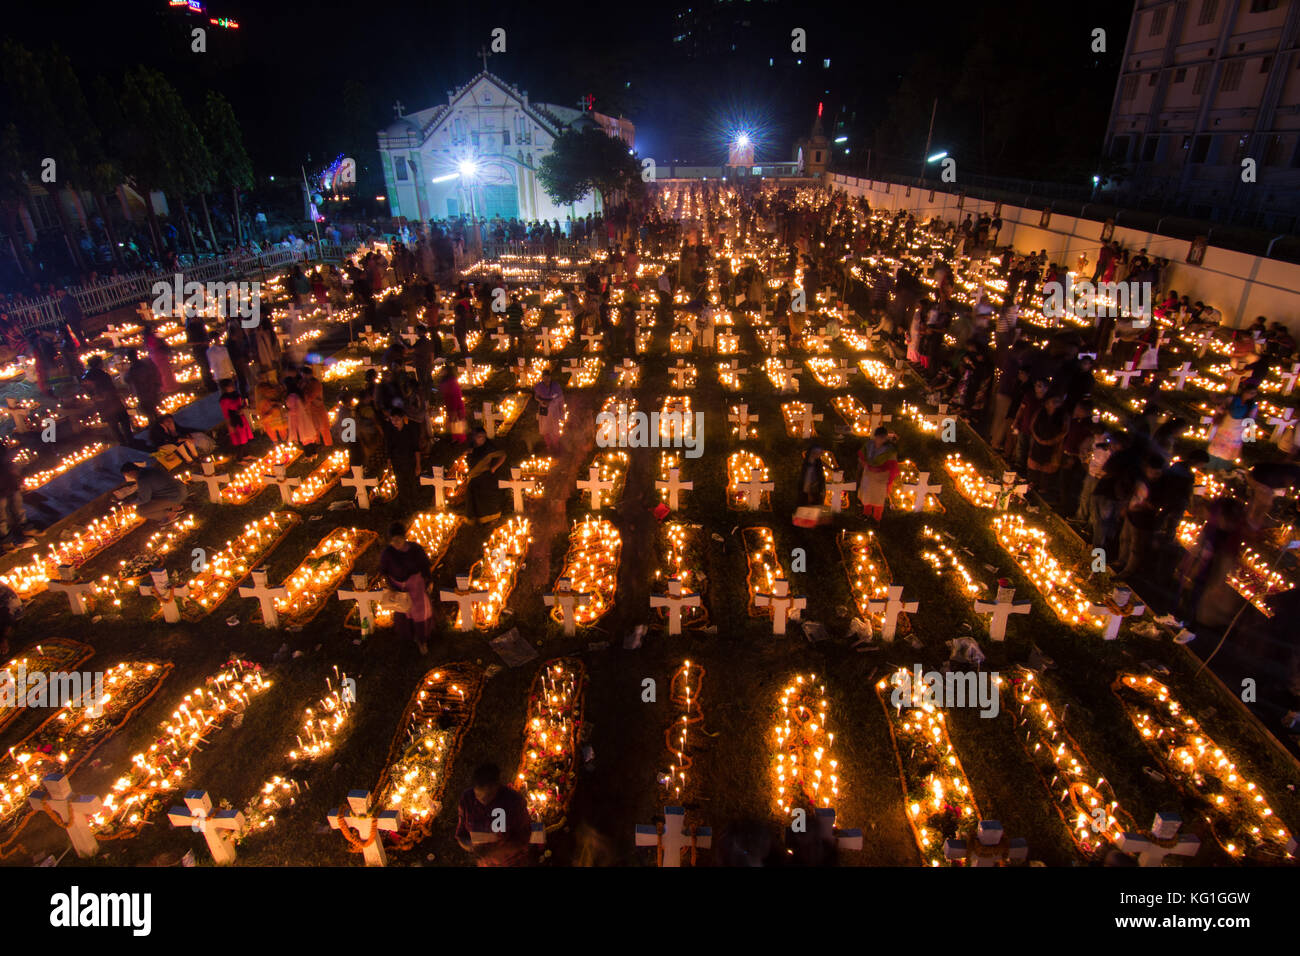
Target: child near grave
[[232, 407]]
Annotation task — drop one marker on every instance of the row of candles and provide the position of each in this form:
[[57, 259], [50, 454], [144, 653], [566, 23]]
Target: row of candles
[[314, 581], [547, 766], [229, 566], [503, 553], [740, 465], [804, 769], [868, 574], [595, 547], [764, 564], [247, 483], [1031, 549]]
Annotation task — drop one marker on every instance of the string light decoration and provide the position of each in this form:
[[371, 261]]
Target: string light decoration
[[315, 580], [251, 480], [765, 567], [1252, 576], [828, 372], [879, 374], [322, 478], [684, 690], [228, 568], [902, 497], [939, 801], [680, 557], [739, 466], [65, 464], [591, 564], [804, 769], [1090, 811], [54, 655], [731, 379], [1235, 809], [164, 767], [68, 737], [942, 557], [1030, 548], [548, 764], [869, 577], [29, 579], [972, 486], [495, 572], [425, 747]]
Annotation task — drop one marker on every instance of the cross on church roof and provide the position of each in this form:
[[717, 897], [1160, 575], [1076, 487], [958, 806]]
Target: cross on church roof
[[483, 55], [398, 109]]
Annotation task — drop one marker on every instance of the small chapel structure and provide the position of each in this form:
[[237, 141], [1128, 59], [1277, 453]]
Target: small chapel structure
[[478, 154]]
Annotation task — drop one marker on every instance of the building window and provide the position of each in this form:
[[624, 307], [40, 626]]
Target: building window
[[1262, 6], [1202, 77], [1128, 89], [1200, 149], [1273, 151], [1265, 64], [505, 137], [1231, 77], [1149, 147], [399, 168], [1151, 79], [1119, 148], [1180, 74], [1158, 21], [1209, 10]]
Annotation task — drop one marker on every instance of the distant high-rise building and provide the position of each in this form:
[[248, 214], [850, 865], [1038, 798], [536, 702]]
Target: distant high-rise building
[[1206, 85]]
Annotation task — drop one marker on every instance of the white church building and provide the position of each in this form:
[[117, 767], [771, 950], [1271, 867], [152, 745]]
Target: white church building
[[478, 154]]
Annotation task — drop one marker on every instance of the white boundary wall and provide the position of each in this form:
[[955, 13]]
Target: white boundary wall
[[1240, 285]]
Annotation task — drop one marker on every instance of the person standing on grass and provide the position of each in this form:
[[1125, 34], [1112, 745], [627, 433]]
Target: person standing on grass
[[812, 478], [402, 436], [453, 400], [313, 396], [142, 375], [408, 572], [482, 808], [878, 459], [483, 494], [268, 401], [550, 410], [232, 407], [108, 402]]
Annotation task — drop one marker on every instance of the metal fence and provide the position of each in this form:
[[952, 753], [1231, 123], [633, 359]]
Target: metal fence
[[126, 290]]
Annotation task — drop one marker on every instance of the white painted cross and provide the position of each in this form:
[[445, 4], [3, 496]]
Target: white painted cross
[[517, 485], [1289, 378], [673, 838], [921, 490], [567, 600], [837, 487], [1127, 373], [266, 596], [220, 828], [166, 595], [1182, 374], [680, 372], [465, 598], [281, 480], [753, 489], [674, 601], [674, 486], [1164, 841], [572, 366], [366, 599], [491, 417], [740, 417], [363, 485], [937, 417], [1280, 424], [991, 849], [782, 604], [74, 810], [502, 340], [592, 341], [368, 825], [1002, 608], [891, 607], [849, 839], [441, 485], [814, 341], [115, 336], [408, 335], [145, 311], [876, 419], [773, 337], [595, 486], [75, 590], [213, 480], [1115, 616], [467, 370], [372, 338], [804, 418], [550, 338]]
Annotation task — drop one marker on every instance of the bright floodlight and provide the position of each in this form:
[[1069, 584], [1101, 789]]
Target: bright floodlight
[[742, 140], [468, 168], [937, 156]]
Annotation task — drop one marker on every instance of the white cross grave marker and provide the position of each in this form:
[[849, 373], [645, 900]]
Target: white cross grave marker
[[804, 419], [1280, 424], [73, 809], [441, 485], [491, 417], [595, 486], [1182, 374], [517, 485], [220, 828], [782, 604], [876, 419], [266, 597], [363, 485], [673, 838], [1289, 378], [921, 490], [166, 595], [366, 599], [75, 590], [284, 482], [367, 825], [567, 600], [465, 598], [674, 486], [991, 847], [1164, 841], [1127, 373], [213, 480], [891, 607], [680, 372], [1002, 608], [848, 839], [741, 418], [674, 601], [753, 489], [1115, 615]]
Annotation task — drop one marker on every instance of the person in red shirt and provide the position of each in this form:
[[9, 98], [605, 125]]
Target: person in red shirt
[[488, 808]]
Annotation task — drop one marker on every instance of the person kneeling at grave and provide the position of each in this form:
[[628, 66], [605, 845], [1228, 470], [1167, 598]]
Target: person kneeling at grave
[[158, 496], [176, 444], [493, 822]]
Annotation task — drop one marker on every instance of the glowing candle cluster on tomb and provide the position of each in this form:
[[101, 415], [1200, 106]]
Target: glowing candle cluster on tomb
[[627, 376], [685, 373], [228, 567], [591, 565], [32, 577], [943, 558], [781, 376], [65, 464], [731, 379], [879, 374], [314, 581], [804, 769], [251, 480], [476, 376], [676, 420], [1083, 797], [612, 464], [587, 373], [828, 372], [868, 576], [681, 553], [1235, 809], [972, 486], [548, 764], [680, 341], [425, 747], [684, 692], [52, 656], [765, 567], [1031, 549], [740, 465], [341, 369], [321, 726], [528, 375], [928, 424], [902, 497], [938, 797], [322, 478], [495, 572], [1251, 576]]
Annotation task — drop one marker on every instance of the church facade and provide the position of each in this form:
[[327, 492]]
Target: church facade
[[478, 154]]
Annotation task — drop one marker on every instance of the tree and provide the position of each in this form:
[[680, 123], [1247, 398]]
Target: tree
[[231, 165], [581, 161]]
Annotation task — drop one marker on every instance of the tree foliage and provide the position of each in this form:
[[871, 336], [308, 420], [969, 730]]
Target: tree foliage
[[587, 160]]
